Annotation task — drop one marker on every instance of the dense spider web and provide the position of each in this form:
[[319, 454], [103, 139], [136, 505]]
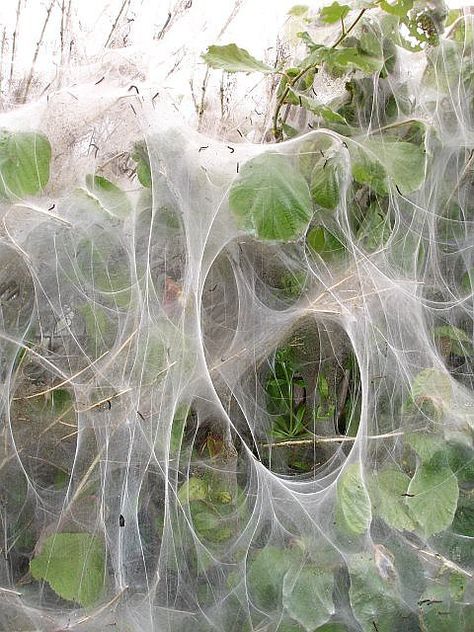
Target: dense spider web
[[139, 332]]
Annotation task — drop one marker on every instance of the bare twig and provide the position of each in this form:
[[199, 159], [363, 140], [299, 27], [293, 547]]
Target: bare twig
[[99, 610], [37, 49], [343, 395], [165, 26], [441, 559], [18, 10], [68, 381], [322, 439], [4, 41], [114, 25], [8, 591], [202, 105]]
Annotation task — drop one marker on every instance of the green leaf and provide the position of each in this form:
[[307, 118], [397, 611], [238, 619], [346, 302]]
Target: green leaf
[[436, 493], [108, 196], [345, 59], [403, 162], [311, 151], [367, 170], [399, 8], [298, 10], [289, 131], [325, 184], [97, 325], [209, 523], [433, 386], [466, 283], [334, 13], [387, 489], [437, 597], [461, 462], [177, 429], [323, 386], [370, 43], [322, 241], [425, 445], [24, 163], [453, 340], [73, 564], [318, 109], [271, 198], [193, 489], [375, 229], [463, 522], [231, 58], [265, 576], [390, 58], [374, 592], [141, 157], [353, 510], [307, 595]]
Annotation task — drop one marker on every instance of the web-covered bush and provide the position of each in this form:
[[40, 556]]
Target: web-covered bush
[[237, 377]]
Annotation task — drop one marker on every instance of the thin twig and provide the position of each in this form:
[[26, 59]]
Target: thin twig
[[441, 559], [8, 591], [202, 105], [114, 25], [345, 33], [343, 395], [38, 209], [18, 10], [4, 41], [322, 439], [37, 49], [165, 26], [301, 74], [94, 614], [68, 381]]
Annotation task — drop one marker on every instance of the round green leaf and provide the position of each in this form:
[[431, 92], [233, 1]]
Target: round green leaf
[[265, 576], [374, 595], [325, 184], [324, 243], [24, 163], [307, 595], [73, 564], [387, 492], [366, 169], [108, 196], [403, 162], [271, 198], [353, 510], [193, 489], [435, 497], [433, 386], [141, 157]]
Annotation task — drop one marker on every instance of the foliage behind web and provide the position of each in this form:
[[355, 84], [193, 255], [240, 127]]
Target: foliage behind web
[[237, 379]]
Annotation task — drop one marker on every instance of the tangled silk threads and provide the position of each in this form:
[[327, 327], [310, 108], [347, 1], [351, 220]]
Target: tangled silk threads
[[237, 378]]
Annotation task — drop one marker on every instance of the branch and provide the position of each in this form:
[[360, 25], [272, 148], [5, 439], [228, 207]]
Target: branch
[[292, 82], [322, 439]]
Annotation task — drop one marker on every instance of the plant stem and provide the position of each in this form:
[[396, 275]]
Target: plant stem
[[345, 33], [322, 439], [292, 82], [15, 32], [37, 49]]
